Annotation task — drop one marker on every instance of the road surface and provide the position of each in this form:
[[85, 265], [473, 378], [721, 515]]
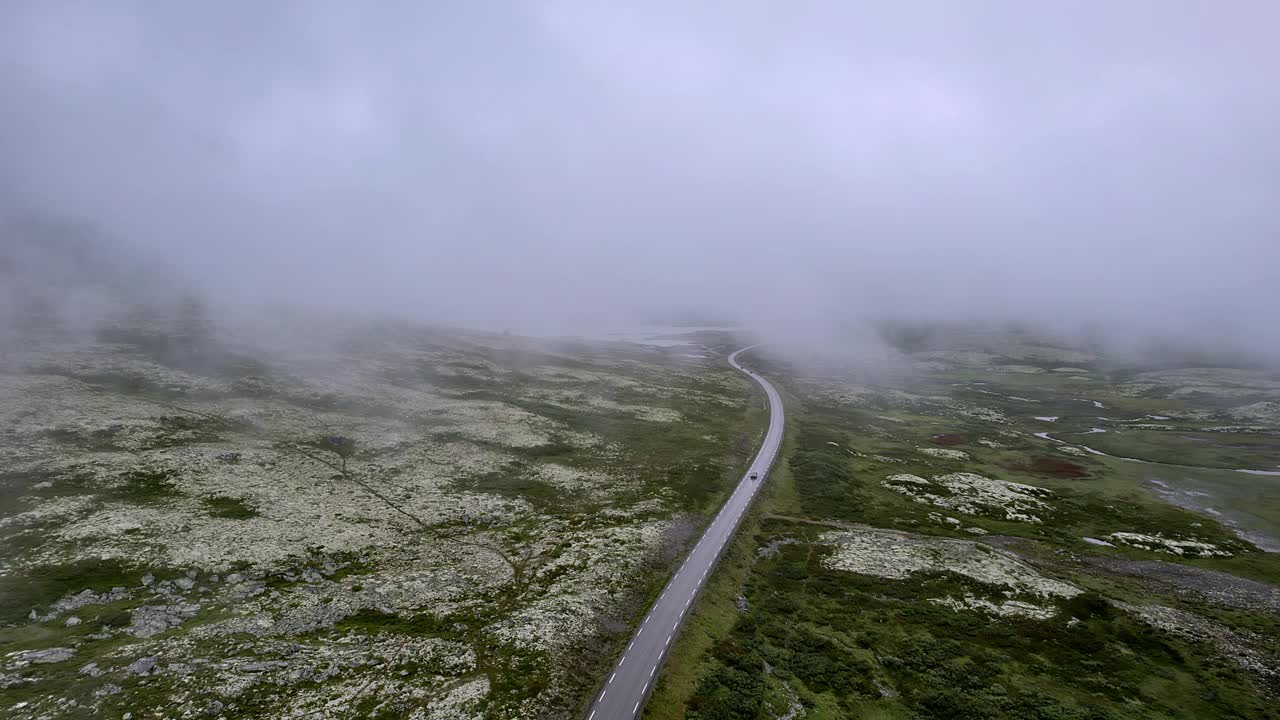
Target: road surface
[[633, 676]]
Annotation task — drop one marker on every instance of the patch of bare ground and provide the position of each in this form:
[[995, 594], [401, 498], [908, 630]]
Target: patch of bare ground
[[1244, 648], [1195, 583], [1052, 467]]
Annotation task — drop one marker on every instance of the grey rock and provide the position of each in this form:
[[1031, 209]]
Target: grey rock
[[108, 689], [92, 670], [33, 615], [213, 578], [86, 597], [257, 667], [44, 657], [9, 681], [214, 708], [148, 579], [143, 666], [72, 621], [235, 578], [151, 620], [184, 583], [192, 574]]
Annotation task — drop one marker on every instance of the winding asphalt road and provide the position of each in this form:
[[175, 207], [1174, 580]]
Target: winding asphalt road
[[632, 677]]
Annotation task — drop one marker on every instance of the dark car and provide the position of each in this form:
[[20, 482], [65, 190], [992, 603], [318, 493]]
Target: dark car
[[755, 476]]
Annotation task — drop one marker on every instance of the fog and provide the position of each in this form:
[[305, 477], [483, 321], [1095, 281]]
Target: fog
[[798, 168]]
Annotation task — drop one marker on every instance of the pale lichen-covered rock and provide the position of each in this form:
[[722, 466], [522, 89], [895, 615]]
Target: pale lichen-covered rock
[[974, 495], [943, 453], [1160, 543], [1267, 412], [898, 555], [462, 701], [259, 563], [41, 657], [1004, 608]]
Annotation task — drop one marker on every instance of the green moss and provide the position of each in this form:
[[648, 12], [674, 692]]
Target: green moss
[[945, 664], [147, 486], [39, 587], [232, 508], [100, 440]]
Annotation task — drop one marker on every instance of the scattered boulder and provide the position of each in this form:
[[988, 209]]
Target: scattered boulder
[[47, 656], [143, 666], [149, 620]]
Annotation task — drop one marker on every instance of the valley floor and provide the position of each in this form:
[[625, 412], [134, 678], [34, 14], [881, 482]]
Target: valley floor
[[926, 552]]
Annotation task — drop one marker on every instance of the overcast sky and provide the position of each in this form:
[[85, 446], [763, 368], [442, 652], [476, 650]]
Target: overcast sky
[[1112, 162]]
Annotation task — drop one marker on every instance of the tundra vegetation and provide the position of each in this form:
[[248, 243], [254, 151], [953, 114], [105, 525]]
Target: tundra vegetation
[[405, 522], [1009, 529]]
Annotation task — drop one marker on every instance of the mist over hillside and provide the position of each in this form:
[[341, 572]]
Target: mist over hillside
[[1089, 170]]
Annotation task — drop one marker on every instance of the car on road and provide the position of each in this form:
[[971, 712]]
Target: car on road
[[755, 476]]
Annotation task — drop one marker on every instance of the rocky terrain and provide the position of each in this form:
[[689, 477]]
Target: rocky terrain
[[397, 521]]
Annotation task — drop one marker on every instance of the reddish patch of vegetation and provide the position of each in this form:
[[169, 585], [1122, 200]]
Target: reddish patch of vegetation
[[947, 439], [1054, 467]]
